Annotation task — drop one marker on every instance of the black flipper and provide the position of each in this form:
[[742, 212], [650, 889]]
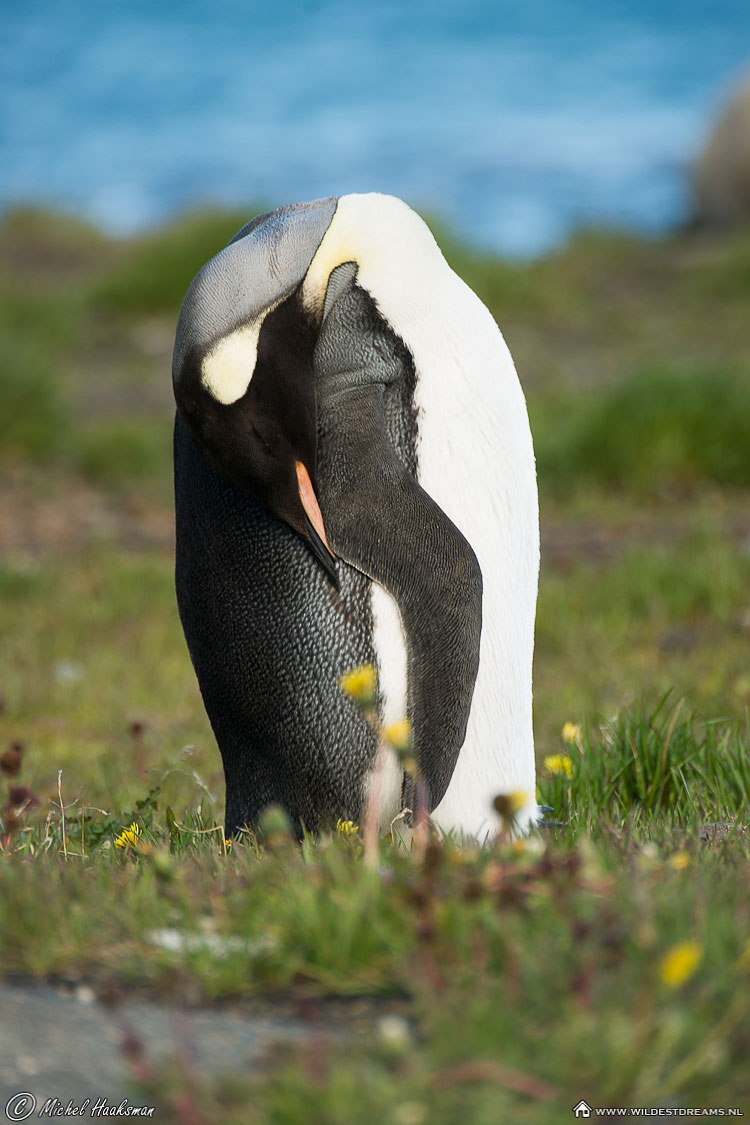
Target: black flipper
[[381, 521]]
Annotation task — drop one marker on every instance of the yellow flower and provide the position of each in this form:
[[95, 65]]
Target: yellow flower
[[346, 828], [509, 805], [361, 684], [559, 763], [572, 732], [679, 964], [129, 837], [409, 763], [399, 735], [679, 861]]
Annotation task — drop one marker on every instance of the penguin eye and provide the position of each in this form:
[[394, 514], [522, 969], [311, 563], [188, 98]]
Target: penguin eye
[[265, 437]]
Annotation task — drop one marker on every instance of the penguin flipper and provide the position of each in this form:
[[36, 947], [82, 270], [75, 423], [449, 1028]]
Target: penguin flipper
[[382, 522]]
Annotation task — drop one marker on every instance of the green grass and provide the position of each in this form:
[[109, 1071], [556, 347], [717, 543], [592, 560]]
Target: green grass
[[543, 960], [153, 274], [126, 455], [654, 430], [652, 761], [647, 607], [92, 645], [724, 270]]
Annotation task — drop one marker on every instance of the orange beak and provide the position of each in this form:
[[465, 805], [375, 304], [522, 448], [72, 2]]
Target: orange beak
[[311, 506]]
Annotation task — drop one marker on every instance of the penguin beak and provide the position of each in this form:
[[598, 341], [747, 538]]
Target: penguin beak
[[315, 525]]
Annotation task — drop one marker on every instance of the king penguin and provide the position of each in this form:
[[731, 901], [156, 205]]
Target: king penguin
[[355, 484]]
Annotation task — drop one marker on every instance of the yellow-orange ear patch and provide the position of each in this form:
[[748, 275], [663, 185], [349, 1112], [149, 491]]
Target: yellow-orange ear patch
[[228, 368]]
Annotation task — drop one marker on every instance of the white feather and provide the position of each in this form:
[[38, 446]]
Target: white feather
[[390, 649]]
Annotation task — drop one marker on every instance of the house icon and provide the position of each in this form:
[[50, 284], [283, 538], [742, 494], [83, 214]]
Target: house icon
[[583, 1109]]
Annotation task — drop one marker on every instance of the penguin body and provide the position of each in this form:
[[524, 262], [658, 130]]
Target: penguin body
[[269, 637], [348, 410]]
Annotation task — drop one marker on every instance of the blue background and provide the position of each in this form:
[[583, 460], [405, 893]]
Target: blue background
[[515, 122]]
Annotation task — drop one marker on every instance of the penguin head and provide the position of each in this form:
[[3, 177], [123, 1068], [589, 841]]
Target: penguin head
[[257, 342], [243, 367]]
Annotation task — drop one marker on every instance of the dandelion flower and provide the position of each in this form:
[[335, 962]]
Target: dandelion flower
[[509, 805], [559, 763], [361, 684], [129, 837], [394, 1034], [346, 828], [572, 732], [679, 964], [10, 761], [679, 861], [399, 735]]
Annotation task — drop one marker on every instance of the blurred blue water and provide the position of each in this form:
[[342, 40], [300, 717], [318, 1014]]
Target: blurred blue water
[[515, 121]]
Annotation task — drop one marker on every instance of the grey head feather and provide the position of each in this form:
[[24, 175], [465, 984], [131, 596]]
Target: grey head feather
[[263, 264]]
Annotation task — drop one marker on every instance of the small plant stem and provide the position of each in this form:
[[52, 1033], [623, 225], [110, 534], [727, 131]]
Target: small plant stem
[[206, 832], [62, 813], [139, 749], [372, 811], [421, 818]]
